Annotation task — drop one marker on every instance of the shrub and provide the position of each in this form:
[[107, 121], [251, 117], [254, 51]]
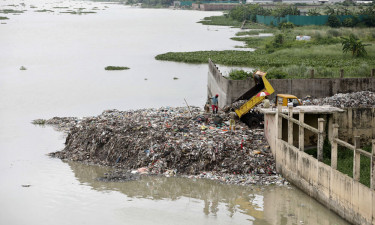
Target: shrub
[[286, 25], [348, 22], [238, 75], [369, 21], [333, 33], [116, 68], [298, 71], [363, 70], [333, 21]]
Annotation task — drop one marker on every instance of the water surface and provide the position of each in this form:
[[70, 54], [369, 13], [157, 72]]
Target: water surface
[[65, 56]]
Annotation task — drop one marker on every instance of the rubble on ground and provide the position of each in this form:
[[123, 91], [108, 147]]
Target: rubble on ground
[[362, 99], [170, 141], [234, 105]]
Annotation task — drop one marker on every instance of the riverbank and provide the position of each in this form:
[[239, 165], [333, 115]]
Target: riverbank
[[169, 141], [278, 51]]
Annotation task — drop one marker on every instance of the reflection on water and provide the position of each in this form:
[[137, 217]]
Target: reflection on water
[[261, 205]]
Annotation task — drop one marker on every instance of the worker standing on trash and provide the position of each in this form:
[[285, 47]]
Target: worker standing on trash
[[215, 103], [232, 122]]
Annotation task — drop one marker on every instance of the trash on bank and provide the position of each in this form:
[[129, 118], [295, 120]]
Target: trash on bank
[[168, 141]]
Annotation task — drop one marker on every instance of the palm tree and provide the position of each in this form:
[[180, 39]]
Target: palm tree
[[354, 45]]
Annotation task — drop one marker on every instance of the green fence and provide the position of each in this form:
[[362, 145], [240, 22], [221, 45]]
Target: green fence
[[300, 20]]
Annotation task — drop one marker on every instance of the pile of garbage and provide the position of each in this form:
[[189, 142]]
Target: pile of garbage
[[362, 99], [170, 141], [234, 105]]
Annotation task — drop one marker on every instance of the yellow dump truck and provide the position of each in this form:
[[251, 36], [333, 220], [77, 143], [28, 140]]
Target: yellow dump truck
[[254, 97]]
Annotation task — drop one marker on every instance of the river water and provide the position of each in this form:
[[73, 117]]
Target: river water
[[65, 56]]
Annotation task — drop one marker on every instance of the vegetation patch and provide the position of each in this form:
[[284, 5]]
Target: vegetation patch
[[78, 12], [44, 10], [283, 56], [220, 21], [7, 11], [39, 122], [23, 68], [116, 68], [4, 18], [239, 75]]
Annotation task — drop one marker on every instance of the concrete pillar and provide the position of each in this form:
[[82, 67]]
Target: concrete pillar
[[312, 73], [279, 120], [341, 73], [320, 138], [301, 140], [372, 73], [290, 126], [334, 146], [356, 160], [372, 172]]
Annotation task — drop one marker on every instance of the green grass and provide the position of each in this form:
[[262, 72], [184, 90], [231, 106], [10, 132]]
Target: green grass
[[255, 32], [116, 68], [295, 58], [220, 21], [4, 18], [253, 42], [291, 60], [345, 161]]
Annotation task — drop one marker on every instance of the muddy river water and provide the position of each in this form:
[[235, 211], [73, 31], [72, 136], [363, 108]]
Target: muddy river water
[[64, 55]]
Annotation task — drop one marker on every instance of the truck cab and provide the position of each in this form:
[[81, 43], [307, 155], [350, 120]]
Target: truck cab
[[285, 98]]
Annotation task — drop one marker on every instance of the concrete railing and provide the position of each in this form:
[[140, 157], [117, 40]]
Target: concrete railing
[[357, 155], [346, 196]]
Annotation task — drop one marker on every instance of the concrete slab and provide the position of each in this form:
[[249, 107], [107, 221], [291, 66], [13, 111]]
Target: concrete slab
[[308, 109]]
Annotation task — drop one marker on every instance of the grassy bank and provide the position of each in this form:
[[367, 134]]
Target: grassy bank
[[282, 52], [296, 62], [220, 21]]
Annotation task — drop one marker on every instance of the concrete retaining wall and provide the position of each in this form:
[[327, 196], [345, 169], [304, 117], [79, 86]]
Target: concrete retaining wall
[[232, 89], [340, 193], [356, 122]]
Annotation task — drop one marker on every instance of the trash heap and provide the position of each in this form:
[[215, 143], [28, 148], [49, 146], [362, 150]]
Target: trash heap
[[234, 105], [362, 99], [171, 141]]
